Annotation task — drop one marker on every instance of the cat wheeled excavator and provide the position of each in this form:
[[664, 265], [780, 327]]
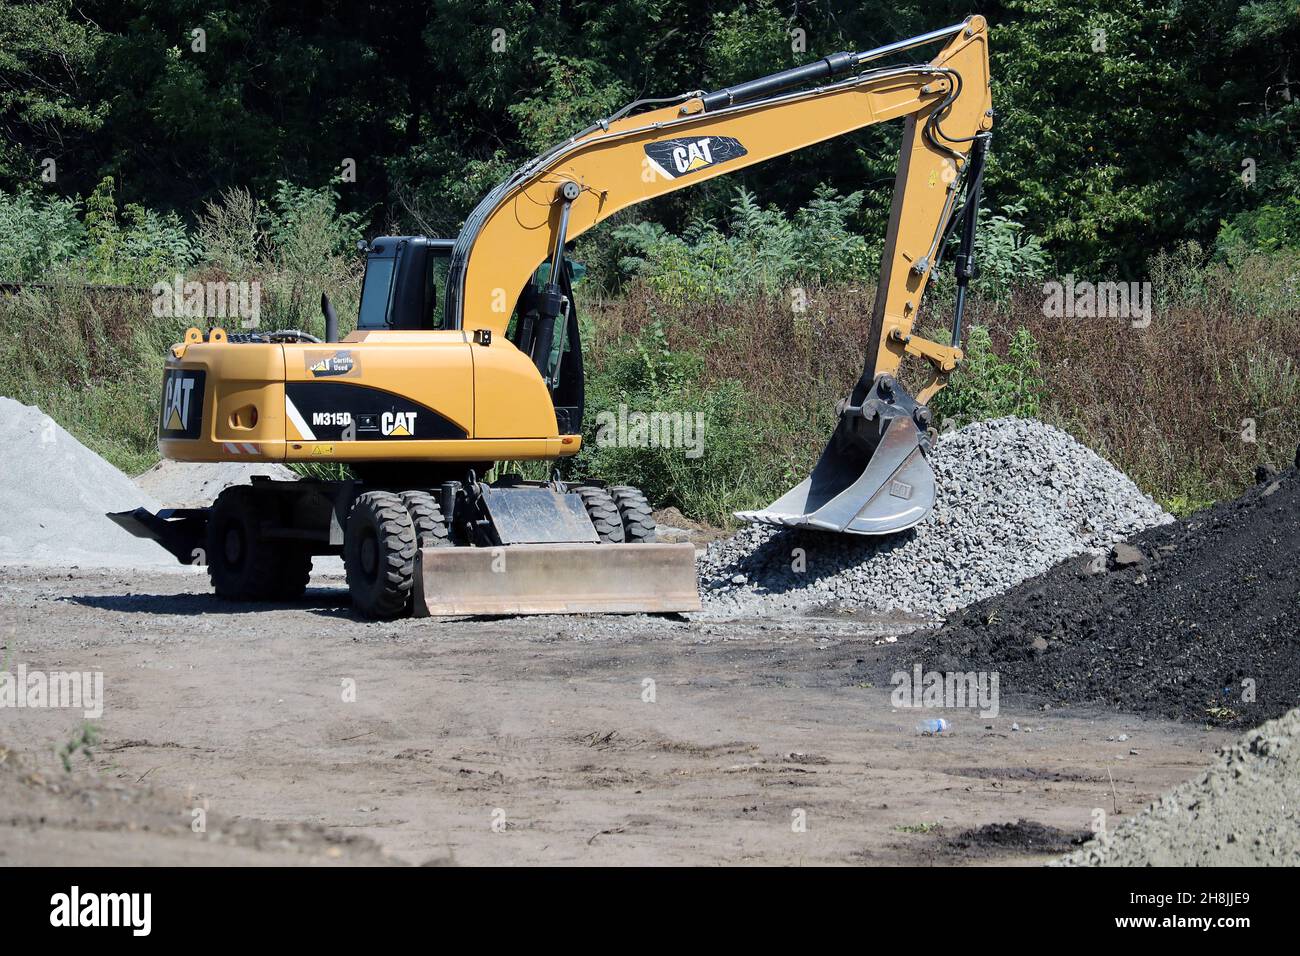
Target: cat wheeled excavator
[[468, 352]]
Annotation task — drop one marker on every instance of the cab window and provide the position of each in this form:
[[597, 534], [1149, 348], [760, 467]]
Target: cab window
[[376, 293]]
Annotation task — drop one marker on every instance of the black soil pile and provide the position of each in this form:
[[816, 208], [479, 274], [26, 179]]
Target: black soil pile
[[1023, 836], [1194, 620]]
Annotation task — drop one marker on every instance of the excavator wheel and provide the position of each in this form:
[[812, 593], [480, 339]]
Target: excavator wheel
[[379, 554], [241, 565], [604, 513], [426, 517], [293, 571], [634, 512]]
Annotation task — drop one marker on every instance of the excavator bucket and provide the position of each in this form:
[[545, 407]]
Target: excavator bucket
[[874, 476], [556, 579]]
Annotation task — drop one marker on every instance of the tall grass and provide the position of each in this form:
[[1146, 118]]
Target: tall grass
[[90, 353], [1187, 406]]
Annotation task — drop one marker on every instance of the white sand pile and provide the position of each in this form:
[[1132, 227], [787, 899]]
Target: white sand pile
[[1243, 811], [54, 492]]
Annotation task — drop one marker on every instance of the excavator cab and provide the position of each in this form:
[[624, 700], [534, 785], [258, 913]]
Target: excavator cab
[[403, 276], [400, 292]]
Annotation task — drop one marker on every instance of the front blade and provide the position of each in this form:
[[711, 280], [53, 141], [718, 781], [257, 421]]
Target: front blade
[[557, 579], [849, 491]]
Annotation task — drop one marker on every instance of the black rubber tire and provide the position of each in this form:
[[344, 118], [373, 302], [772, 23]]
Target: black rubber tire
[[293, 571], [426, 517], [638, 521], [379, 555], [241, 566], [603, 513]]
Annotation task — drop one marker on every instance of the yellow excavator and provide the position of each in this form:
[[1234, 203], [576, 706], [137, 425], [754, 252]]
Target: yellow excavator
[[468, 352]]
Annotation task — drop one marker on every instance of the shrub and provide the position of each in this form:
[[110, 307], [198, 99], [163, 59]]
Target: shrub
[[698, 443], [762, 250], [1009, 257], [988, 386], [38, 235], [311, 250]]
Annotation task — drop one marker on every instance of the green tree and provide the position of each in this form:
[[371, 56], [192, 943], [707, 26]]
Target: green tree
[[46, 53]]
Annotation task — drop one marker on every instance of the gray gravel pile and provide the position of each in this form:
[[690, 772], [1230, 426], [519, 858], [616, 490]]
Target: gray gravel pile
[[1015, 497], [184, 484], [54, 492], [1243, 811]]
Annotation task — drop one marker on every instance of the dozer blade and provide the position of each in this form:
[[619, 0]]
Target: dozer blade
[[557, 579], [873, 477]]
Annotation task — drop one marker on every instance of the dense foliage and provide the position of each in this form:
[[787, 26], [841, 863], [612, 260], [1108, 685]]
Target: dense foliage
[[1154, 140], [1125, 126]]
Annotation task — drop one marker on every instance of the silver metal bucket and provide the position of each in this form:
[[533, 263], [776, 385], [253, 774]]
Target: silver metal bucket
[[873, 477]]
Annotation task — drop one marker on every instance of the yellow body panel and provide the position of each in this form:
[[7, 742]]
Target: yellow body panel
[[510, 398], [433, 369], [296, 402], [237, 378]]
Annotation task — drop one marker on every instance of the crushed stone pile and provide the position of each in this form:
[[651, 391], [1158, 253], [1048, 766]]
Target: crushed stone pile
[[54, 492], [1197, 620], [184, 484], [1015, 497], [1243, 811]]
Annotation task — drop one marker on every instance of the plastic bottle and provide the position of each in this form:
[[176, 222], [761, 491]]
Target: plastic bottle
[[933, 727]]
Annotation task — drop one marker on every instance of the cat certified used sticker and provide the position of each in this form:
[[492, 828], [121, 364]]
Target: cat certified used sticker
[[674, 158], [339, 364]]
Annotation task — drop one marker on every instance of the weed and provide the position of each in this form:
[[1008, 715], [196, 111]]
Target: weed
[[918, 827], [82, 742]]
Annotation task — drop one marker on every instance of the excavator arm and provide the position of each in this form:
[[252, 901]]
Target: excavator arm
[[874, 476], [635, 156]]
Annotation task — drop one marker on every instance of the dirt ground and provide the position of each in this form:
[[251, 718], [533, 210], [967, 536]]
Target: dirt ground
[[522, 741]]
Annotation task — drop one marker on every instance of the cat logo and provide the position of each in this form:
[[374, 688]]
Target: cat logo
[[182, 406], [673, 158], [398, 424], [178, 403]]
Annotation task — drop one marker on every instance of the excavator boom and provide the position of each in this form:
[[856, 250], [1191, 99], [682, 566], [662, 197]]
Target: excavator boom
[[874, 476]]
